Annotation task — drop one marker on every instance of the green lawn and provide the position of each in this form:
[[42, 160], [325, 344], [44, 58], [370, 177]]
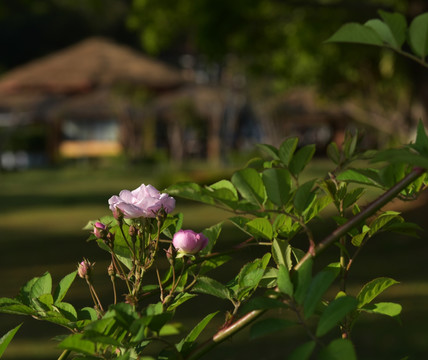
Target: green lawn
[[42, 213]]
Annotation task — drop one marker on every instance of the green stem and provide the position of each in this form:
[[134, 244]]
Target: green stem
[[420, 61], [225, 333], [64, 355], [131, 249]]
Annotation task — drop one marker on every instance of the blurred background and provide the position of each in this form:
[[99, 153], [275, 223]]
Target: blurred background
[[97, 96]]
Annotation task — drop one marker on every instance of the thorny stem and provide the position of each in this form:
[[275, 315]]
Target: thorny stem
[[328, 241]]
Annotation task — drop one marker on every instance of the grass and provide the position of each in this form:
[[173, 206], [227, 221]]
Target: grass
[[42, 213]]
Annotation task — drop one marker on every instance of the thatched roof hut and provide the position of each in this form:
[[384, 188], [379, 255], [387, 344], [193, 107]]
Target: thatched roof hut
[[95, 62]]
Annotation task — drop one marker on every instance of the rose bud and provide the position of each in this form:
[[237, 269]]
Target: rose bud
[[84, 269], [189, 242], [100, 230]]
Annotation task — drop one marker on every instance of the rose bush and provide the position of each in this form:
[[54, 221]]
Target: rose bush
[[144, 201], [275, 210]]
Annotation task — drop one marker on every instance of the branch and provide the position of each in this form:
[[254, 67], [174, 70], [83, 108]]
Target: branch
[[370, 210], [328, 241]]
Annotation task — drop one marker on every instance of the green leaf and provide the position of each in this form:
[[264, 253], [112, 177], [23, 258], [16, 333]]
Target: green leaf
[[260, 228], [212, 287], [261, 303], [250, 185], [304, 196], [271, 150], [224, 192], [63, 286], [212, 233], [45, 300], [76, 342], [302, 280], [186, 344], [301, 158], [418, 35], [338, 349], [352, 196], [358, 239], [232, 194], [169, 329], [421, 142], [302, 352], [240, 222], [356, 33], [14, 306], [268, 326], [158, 321], [287, 149], [285, 226], [382, 220], [269, 278], [319, 285], [405, 228], [251, 274], [67, 310], [278, 185], [384, 308], [334, 313], [213, 263], [372, 289], [284, 281], [403, 156], [356, 176], [280, 254], [180, 299], [24, 292], [383, 31], [87, 313], [333, 153], [7, 338], [43, 285], [191, 191], [397, 24]]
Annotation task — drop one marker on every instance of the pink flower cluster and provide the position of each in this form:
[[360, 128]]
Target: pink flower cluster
[[189, 242], [145, 201]]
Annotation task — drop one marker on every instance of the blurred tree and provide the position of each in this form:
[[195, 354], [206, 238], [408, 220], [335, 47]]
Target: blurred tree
[[279, 38], [280, 44], [32, 28]]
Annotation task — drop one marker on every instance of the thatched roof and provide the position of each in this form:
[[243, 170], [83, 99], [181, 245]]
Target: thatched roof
[[91, 63]]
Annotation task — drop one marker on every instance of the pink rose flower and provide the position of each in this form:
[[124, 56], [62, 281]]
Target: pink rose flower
[[189, 242], [145, 201]]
